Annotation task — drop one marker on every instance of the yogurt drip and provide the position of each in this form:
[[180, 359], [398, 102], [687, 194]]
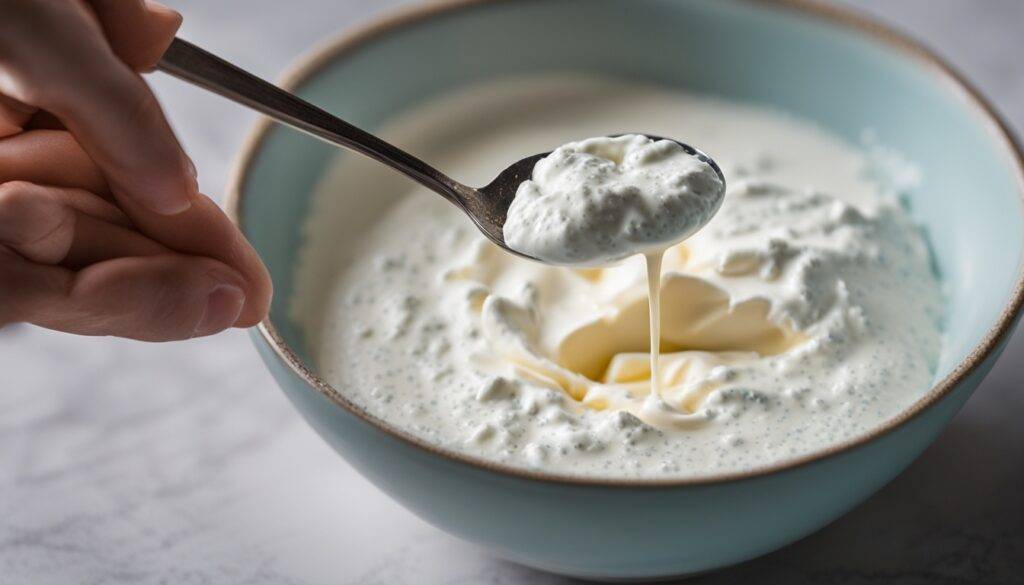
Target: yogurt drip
[[653, 267], [597, 201]]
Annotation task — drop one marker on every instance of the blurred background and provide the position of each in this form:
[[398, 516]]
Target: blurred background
[[125, 462]]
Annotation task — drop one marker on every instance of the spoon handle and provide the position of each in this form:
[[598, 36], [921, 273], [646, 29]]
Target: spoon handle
[[201, 68]]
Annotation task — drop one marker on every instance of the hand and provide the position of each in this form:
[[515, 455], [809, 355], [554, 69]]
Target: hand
[[102, 228]]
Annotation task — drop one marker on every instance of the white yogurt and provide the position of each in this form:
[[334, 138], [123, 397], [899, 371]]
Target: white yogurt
[[592, 202], [805, 313]]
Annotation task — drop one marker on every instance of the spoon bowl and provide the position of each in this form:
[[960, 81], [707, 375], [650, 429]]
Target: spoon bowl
[[488, 207]]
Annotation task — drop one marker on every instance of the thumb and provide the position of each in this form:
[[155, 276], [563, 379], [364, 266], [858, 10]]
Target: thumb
[[138, 32]]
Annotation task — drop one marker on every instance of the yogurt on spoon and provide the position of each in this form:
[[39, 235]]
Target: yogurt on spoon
[[594, 202]]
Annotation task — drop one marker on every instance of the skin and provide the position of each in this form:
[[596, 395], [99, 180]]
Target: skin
[[102, 228]]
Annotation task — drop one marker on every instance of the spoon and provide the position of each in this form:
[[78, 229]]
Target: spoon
[[487, 206]]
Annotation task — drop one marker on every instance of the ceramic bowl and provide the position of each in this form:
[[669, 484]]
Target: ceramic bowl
[[839, 69]]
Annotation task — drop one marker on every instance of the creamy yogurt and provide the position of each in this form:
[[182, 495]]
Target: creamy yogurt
[[803, 314], [599, 200]]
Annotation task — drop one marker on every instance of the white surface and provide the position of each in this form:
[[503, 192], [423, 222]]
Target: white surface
[[123, 462]]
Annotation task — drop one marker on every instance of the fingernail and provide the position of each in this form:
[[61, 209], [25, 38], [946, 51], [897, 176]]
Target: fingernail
[[169, 14], [170, 199], [174, 195], [223, 307]]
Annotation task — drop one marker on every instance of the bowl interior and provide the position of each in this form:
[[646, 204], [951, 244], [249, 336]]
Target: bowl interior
[[968, 197]]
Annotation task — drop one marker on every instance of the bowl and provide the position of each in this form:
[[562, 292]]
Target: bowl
[[816, 61]]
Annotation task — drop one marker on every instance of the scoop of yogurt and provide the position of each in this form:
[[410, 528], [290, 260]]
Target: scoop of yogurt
[[599, 200]]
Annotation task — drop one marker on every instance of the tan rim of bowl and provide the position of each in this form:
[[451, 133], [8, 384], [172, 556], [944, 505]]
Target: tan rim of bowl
[[831, 14]]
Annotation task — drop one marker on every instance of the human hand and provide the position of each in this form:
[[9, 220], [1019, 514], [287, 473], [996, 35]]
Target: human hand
[[102, 228]]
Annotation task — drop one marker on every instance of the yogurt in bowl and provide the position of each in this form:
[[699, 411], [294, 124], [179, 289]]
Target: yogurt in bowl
[[805, 313], [644, 522]]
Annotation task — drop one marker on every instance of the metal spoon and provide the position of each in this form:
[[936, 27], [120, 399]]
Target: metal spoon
[[487, 206]]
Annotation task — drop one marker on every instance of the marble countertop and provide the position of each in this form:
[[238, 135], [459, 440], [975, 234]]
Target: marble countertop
[[124, 462]]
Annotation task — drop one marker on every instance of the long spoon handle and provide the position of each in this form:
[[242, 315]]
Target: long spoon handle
[[208, 71]]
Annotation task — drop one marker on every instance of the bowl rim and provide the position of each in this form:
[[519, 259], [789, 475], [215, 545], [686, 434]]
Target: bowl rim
[[349, 40]]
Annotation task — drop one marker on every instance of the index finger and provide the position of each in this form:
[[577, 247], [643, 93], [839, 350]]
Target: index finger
[[55, 57]]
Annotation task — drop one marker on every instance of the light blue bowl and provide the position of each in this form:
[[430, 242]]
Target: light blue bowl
[[817, 62]]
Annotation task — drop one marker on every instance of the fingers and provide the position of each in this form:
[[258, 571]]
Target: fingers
[[53, 56], [71, 227], [155, 299], [97, 241], [162, 298], [49, 157], [54, 158], [138, 32], [204, 230], [127, 285]]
